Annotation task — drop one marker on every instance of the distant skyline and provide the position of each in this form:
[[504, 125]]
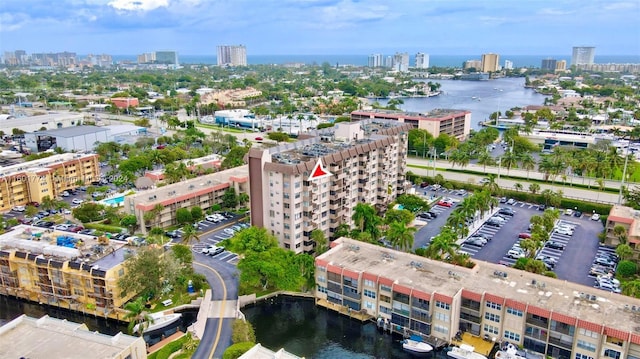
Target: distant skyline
[[314, 27]]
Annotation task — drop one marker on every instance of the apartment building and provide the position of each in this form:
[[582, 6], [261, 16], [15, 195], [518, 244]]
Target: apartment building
[[456, 123], [629, 219], [203, 191], [422, 60], [490, 62], [230, 55], [316, 182], [413, 294], [375, 60], [63, 269], [60, 338], [32, 181], [583, 55]]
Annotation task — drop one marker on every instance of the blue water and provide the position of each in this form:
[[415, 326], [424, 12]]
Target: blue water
[[114, 201], [480, 97], [361, 60]]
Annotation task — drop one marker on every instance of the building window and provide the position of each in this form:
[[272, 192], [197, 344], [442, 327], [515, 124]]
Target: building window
[[588, 333], [441, 329], [586, 345], [493, 305], [322, 289], [515, 312], [385, 288], [384, 298], [582, 356], [385, 310], [368, 305], [491, 329], [442, 305], [441, 317], [369, 283], [321, 279], [492, 317], [369, 293], [512, 336], [610, 353]]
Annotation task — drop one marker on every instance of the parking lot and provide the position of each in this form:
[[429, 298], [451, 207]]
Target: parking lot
[[573, 263], [213, 239]]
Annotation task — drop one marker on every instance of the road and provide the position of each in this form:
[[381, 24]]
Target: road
[[593, 195]]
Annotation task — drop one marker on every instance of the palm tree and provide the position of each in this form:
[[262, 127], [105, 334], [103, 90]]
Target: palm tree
[[517, 186], [137, 314], [443, 243], [534, 188], [492, 185], [621, 233], [47, 203], [189, 233], [510, 159], [624, 251], [527, 162], [458, 220], [631, 288], [320, 240], [400, 235], [485, 160]]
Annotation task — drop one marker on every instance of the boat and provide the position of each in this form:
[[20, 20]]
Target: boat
[[414, 344], [510, 351], [465, 351], [159, 321]]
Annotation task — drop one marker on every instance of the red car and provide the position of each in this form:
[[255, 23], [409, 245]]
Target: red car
[[258, 138], [444, 203], [524, 235], [75, 229], [35, 204]]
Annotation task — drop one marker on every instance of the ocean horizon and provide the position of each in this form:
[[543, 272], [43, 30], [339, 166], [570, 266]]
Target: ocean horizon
[[361, 60]]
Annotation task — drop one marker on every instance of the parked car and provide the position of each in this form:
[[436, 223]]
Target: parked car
[[424, 215], [35, 204], [444, 203], [577, 214], [554, 245], [511, 201], [568, 212], [524, 235], [606, 262], [172, 234], [424, 184], [77, 201], [564, 230], [65, 194], [75, 228], [515, 253], [259, 138], [44, 224], [541, 207], [595, 217], [87, 231], [493, 223], [208, 248], [433, 214], [476, 241], [216, 251], [506, 211], [19, 208]]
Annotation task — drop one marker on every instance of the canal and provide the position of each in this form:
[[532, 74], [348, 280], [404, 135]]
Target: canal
[[302, 328]]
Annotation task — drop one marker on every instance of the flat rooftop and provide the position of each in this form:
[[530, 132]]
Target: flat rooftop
[[429, 276], [627, 215], [43, 163], [328, 141], [46, 337], [18, 122], [72, 131], [44, 243], [260, 352], [439, 113]]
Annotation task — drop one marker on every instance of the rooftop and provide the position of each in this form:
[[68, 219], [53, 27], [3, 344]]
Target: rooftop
[[428, 276], [43, 163], [46, 337], [189, 188], [343, 136], [626, 215], [41, 120], [260, 352], [72, 131], [435, 114], [62, 246]]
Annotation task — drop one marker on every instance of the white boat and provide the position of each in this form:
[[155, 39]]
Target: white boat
[[510, 352], [415, 345], [465, 351], [159, 321]]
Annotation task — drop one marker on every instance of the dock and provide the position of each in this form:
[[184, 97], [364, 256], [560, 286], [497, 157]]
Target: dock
[[359, 315]]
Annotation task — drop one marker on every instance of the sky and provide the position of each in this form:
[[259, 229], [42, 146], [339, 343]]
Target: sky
[[312, 27]]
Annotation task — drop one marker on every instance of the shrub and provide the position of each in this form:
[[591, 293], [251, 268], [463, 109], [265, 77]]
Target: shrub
[[104, 227], [236, 350], [168, 349], [242, 331], [626, 269]]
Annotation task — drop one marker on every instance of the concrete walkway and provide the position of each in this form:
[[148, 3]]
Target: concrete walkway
[[592, 195]]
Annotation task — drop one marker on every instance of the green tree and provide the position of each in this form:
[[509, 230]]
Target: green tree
[[399, 215], [88, 212], [534, 188], [318, 237], [443, 244], [31, 211], [146, 271], [234, 158], [189, 234], [183, 215], [621, 233], [129, 221], [367, 220], [401, 236], [491, 185], [197, 213], [229, 198], [137, 314], [624, 251], [278, 136], [626, 269]]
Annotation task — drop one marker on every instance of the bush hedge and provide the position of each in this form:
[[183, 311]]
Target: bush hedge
[[104, 227], [236, 350], [168, 349]]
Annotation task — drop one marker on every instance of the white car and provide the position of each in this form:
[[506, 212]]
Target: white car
[[61, 227], [595, 217], [65, 194], [18, 209], [568, 212], [511, 201], [515, 253], [77, 201], [565, 231], [66, 211]]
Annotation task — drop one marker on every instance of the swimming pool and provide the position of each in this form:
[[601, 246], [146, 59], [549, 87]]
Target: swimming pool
[[114, 201]]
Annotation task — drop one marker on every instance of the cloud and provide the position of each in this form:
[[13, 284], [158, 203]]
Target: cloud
[[554, 12], [621, 6], [138, 5]]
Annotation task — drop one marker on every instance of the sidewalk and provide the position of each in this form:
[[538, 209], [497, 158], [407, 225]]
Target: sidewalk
[[593, 195]]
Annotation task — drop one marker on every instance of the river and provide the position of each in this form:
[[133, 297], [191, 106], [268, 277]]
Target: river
[[480, 97], [304, 329]]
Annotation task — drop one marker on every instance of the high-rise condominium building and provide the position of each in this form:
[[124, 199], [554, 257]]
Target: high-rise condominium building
[[167, 57], [561, 65], [472, 64], [316, 182], [401, 62], [508, 64], [549, 64], [232, 55], [583, 55], [376, 60], [490, 62], [422, 60]]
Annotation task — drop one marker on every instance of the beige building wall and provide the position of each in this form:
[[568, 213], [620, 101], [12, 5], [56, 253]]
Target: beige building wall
[[490, 62]]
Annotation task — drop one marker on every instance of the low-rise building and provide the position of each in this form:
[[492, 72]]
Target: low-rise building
[[260, 352], [316, 182], [47, 337], [629, 219], [412, 294], [456, 123], [68, 270], [198, 165], [80, 138], [203, 191], [32, 181]]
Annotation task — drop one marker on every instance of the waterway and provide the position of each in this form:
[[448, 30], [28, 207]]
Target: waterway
[[302, 328], [482, 98]]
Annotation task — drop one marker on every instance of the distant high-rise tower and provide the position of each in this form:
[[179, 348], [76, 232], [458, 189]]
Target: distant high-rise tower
[[401, 62], [583, 55], [548, 64], [561, 65], [490, 62], [508, 64], [229, 55], [376, 60], [422, 61], [167, 57]]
